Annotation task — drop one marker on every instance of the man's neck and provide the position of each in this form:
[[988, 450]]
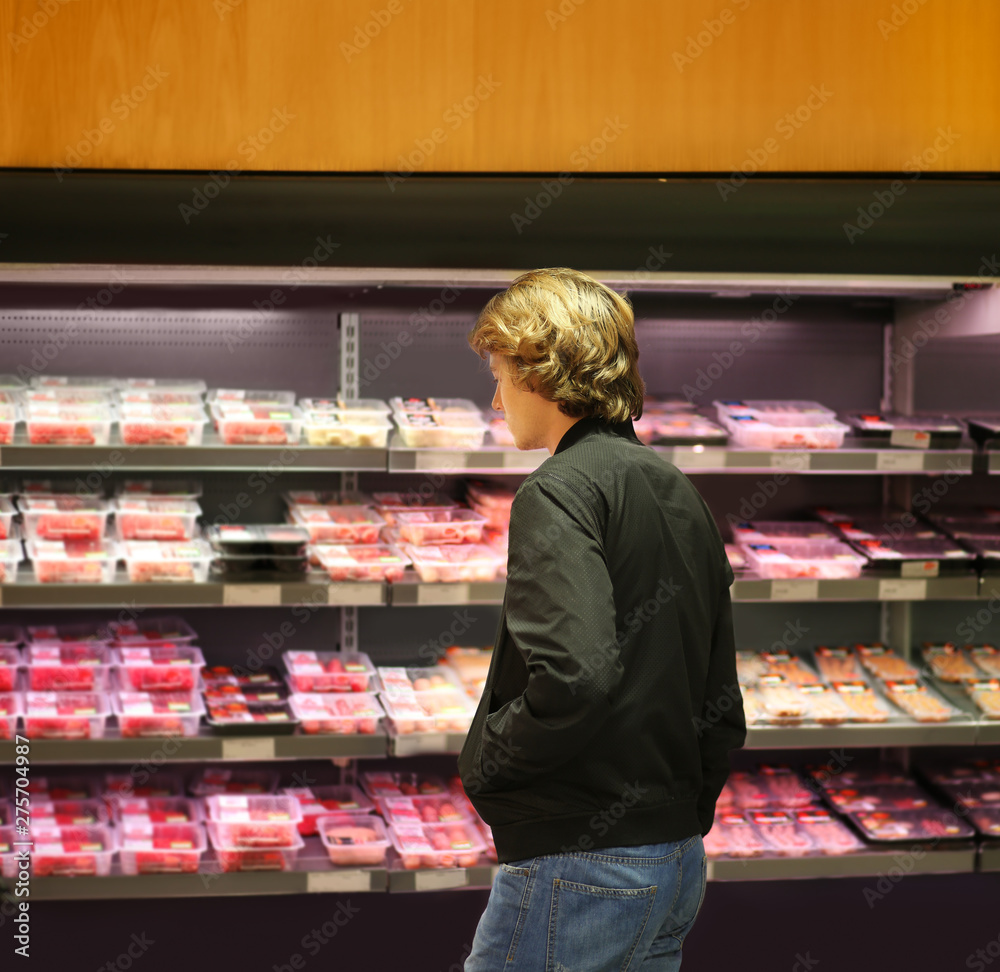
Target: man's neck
[[558, 430]]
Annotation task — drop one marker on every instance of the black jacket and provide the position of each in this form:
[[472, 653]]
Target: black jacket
[[611, 703]]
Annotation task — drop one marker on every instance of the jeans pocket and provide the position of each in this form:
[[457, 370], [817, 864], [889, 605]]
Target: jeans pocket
[[595, 928]]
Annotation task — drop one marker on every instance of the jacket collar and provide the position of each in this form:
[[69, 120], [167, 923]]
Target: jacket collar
[[594, 426]]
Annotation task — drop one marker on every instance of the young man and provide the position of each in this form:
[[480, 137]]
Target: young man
[[601, 742]]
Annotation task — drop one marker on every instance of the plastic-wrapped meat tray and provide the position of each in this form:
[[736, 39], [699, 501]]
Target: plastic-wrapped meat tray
[[446, 412], [254, 859], [326, 497], [72, 851], [829, 835], [680, 429], [985, 693], [156, 519], [986, 821], [825, 706], [329, 671], [73, 561], [862, 702], [973, 795], [462, 562], [320, 801], [423, 527], [222, 676], [164, 849], [162, 425], [65, 715], [792, 668], [222, 779], [784, 531], [907, 431], [337, 713], [144, 714], [344, 431], [733, 835], [824, 560], [68, 667], [785, 788], [353, 839], [425, 432], [431, 809], [433, 711], [918, 701], [837, 663], [950, 664], [64, 517], [338, 524], [135, 815], [787, 412], [884, 663], [894, 826], [437, 845], [362, 562], [781, 833], [877, 796], [10, 710], [254, 821], [387, 505], [260, 425], [160, 668], [151, 631], [986, 657], [379, 783], [242, 716], [915, 558], [279, 539], [178, 489], [67, 813]]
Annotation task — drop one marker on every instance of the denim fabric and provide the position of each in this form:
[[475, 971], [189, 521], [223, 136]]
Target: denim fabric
[[609, 910]]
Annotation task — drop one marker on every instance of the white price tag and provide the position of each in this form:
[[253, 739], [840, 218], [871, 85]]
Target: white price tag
[[358, 593], [710, 871], [902, 590], [444, 594], [801, 589], [256, 748], [250, 595], [899, 462], [431, 460], [322, 882], [797, 461], [691, 457], [910, 439], [436, 880]]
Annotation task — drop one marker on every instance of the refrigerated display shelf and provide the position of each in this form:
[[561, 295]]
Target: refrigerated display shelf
[[212, 454], [418, 743], [989, 857], [155, 751], [993, 462], [964, 732]]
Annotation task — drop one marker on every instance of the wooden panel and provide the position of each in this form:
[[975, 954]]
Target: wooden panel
[[321, 86]]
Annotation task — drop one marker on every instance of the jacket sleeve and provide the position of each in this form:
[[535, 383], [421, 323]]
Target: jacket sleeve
[[560, 614], [721, 727]]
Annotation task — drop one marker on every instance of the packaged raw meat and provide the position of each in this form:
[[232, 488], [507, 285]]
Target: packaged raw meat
[[908, 825], [10, 660], [72, 851], [389, 504], [877, 796], [949, 664], [986, 821], [821, 559], [126, 786], [424, 432], [260, 425], [735, 556], [338, 524], [907, 431], [465, 562], [784, 787], [825, 706], [329, 671], [73, 561], [353, 839], [379, 783], [783, 704], [438, 808], [781, 833], [178, 489], [224, 676], [148, 424], [748, 790], [64, 517], [10, 414], [750, 432], [142, 714], [214, 780], [862, 702], [348, 427], [438, 678], [916, 700], [779, 412], [791, 667], [915, 558], [256, 858], [337, 713], [68, 667], [432, 711], [62, 787], [57, 487], [444, 411], [837, 664], [679, 429], [167, 561], [437, 845], [952, 772], [10, 710], [320, 801], [67, 813], [986, 695], [163, 849], [750, 665], [733, 835], [493, 500], [136, 815], [362, 562], [7, 514], [81, 633], [782, 531], [254, 821], [422, 527], [159, 668], [884, 663], [151, 631], [278, 539], [973, 795], [828, 834], [74, 425], [498, 541], [11, 554], [244, 714], [986, 658], [338, 497], [65, 715], [156, 519]]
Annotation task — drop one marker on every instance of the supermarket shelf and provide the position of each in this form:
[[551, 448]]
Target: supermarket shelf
[[993, 462], [441, 879], [449, 462], [418, 743], [902, 733], [864, 864], [412, 592], [315, 589], [868, 587], [207, 746], [989, 857], [853, 458]]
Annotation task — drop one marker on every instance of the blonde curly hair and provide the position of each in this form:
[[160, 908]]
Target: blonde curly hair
[[569, 338]]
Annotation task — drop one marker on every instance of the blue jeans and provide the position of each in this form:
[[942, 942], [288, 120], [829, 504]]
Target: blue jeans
[[608, 910]]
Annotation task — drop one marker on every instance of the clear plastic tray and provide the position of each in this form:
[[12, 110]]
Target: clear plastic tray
[[861, 700], [152, 631], [821, 559], [261, 425], [11, 554], [379, 783], [679, 429], [329, 671], [159, 668], [437, 678], [862, 797], [70, 427], [781, 833], [950, 664], [500, 431], [337, 713], [432, 809], [319, 801], [837, 663], [429, 712], [884, 663], [174, 848], [73, 561], [793, 668], [339, 524], [829, 835], [156, 562], [733, 835], [463, 562], [780, 412], [76, 633], [254, 821], [142, 714], [246, 396], [135, 815], [327, 429], [162, 425], [437, 845], [72, 851], [353, 839], [326, 497], [254, 859], [885, 552], [120, 787], [156, 519], [68, 667], [224, 779], [193, 386], [65, 715], [68, 813], [443, 411], [750, 432], [792, 531], [59, 786], [918, 701], [907, 431], [7, 514], [986, 821], [423, 527], [10, 659], [362, 562], [893, 826], [178, 489], [389, 504], [64, 517], [11, 708], [56, 487], [423, 432], [267, 539], [371, 411]]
